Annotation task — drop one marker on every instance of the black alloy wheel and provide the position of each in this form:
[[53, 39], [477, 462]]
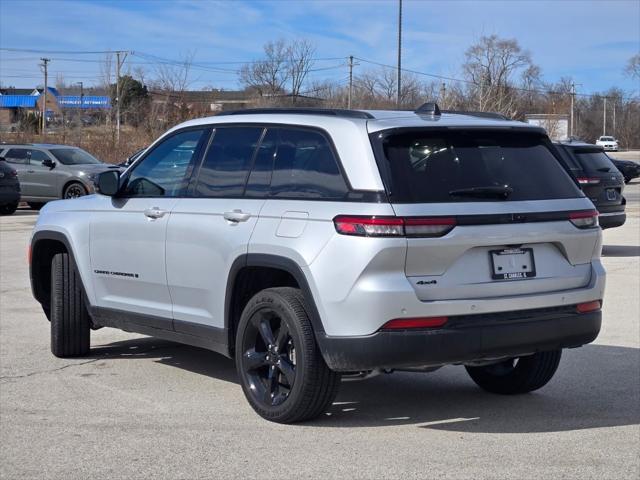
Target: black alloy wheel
[[269, 358], [75, 190]]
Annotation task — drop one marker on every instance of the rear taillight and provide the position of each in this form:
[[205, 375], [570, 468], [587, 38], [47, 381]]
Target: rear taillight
[[589, 306], [586, 219], [393, 226], [588, 181], [411, 323]]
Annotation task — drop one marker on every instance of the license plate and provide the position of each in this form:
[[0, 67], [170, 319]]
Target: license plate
[[611, 194], [512, 263]]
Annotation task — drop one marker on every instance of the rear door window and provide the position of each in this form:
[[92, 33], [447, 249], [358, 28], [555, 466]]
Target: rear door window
[[305, 166], [475, 165], [18, 155], [227, 162]]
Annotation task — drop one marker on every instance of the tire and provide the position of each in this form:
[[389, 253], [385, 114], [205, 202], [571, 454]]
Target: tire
[[8, 208], [35, 205], [70, 323], [289, 381], [517, 375], [74, 190]]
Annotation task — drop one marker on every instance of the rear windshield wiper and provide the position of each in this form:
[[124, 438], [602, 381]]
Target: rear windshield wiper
[[502, 191]]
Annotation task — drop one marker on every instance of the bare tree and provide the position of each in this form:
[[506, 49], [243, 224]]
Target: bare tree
[[491, 65], [268, 76], [299, 61], [171, 83], [633, 66]]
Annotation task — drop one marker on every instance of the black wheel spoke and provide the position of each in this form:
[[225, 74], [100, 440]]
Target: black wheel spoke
[[283, 336], [271, 385], [254, 360], [287, 369], [265, 331]]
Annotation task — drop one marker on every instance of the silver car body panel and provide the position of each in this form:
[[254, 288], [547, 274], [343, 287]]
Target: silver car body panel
[[182, 260]]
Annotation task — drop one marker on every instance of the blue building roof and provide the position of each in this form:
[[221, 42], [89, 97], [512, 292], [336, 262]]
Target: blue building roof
[[88, 101], [18, 101]]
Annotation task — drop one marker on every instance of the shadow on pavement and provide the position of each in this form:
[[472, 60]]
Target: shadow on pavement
[[596, 386], [621, 251]]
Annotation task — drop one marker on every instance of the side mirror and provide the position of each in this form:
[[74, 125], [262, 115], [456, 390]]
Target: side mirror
[[108, 183], [47, 162]]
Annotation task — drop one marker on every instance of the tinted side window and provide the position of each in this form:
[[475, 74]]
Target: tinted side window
[[227, 161], [18, 155], [260, 178], [166, 170], [306, 167], [38, 156]]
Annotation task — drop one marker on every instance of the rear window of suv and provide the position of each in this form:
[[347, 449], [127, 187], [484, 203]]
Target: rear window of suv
[[435, 166], [593, 160]]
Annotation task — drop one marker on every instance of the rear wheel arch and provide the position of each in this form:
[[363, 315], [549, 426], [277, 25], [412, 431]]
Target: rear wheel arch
[[251, 273]]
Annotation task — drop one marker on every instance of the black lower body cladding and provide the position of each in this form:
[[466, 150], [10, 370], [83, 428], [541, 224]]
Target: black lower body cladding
[[464, 339]]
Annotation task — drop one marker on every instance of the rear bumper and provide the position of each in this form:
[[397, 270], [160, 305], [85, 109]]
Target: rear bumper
[[612, 219], [464, 339], [9, 197]]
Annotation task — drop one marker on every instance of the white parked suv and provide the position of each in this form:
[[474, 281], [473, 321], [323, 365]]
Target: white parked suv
[[311, 243], [608, 143]]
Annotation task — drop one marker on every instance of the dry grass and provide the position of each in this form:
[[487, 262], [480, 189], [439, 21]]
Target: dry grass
[[100, 141]]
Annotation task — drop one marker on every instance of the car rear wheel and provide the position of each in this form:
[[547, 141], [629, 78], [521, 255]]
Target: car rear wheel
[[35, 205], [517, 375], [74, 190], [70, 323], [8, 208], [282, 372]]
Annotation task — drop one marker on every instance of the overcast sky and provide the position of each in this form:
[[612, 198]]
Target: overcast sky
[[590, 41]]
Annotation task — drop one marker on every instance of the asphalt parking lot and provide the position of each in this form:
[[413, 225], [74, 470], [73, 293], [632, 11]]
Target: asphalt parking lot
[[139, 407]]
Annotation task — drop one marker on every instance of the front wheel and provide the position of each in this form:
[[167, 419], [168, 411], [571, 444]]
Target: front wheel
[[70, 323], [8, 208], [282, 372], [517, 375], [74, 190]]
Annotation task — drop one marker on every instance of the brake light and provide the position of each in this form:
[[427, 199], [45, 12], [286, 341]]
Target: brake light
[[393, 226], [589, 306], [586, 219], [588, 181], [410, 323]]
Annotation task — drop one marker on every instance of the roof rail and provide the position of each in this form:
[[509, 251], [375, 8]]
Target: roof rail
[[493, 115], [334, 112]]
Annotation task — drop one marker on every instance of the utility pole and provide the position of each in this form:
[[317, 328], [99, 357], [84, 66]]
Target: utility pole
[[399, 53], [573, 95], [443, 95], [613, 131], [604, 117], [45, 68], [350, 81], [118, 67]]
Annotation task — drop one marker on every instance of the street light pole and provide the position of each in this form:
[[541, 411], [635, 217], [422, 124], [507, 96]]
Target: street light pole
[[399, 53], [81, 107], [604, 117]]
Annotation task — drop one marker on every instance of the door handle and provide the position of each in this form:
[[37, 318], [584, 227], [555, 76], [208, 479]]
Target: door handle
[[237, 216], [155, 212]]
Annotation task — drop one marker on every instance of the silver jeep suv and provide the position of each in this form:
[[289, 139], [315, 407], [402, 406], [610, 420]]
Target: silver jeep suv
[[50, 172], [308, 244]]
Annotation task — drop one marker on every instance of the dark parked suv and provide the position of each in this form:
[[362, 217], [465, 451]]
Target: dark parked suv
[[599, 179], [9, 188]]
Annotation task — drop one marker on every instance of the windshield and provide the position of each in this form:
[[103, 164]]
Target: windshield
[[594, 160], [606, 139], [426, 166], [73, 156]]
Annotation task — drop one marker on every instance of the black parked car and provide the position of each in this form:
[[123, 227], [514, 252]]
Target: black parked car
[[599, 179], [629, 169], [9, 188]]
